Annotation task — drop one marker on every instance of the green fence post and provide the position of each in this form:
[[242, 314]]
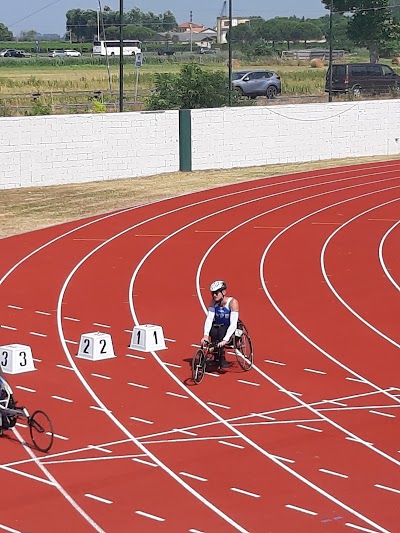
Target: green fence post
[[185, 140]]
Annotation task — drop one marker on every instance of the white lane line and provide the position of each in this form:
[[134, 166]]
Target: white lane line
[[62, 399], [195, 531], [141, 420], [93, 447], [286, 391], [382, 414], [359, 528], [301, 509], [21, 425], [212, 374], [172, 364], [101, 376], [65, 367], [14, 307], [231, 444], [360, 441], [169, 340], [37, 360], [8, 327], [97, 498], [196, 345], [24, 388], [61, 437], [152, 516], [248, 382], [25, 474], [356, 379], [138, 385], [284, 459], [43, 313], [72, 319], [309, 428], [37, 334], [274, 362], [101, 325], [148, 463], [97, 408], [71, 342], [333, 473], [2, 526], [177, 395], [135, 356], [192, 476], [263, 416], [186, 432], [335, 403], [397, 491], [246, 492], [218, 405], [314, 371]]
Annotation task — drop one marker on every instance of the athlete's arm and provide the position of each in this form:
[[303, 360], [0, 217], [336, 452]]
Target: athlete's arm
[[234, 305], [208, 323]]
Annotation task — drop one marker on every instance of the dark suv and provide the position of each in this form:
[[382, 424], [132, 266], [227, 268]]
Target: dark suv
[[356, 78]]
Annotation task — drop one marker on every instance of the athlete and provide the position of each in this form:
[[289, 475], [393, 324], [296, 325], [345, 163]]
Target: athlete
[[222, 319]]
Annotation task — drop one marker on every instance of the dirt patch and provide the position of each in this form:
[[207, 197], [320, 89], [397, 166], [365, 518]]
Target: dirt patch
[[28, 209]]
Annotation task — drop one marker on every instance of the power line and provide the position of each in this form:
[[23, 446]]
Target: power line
[[35, 12]]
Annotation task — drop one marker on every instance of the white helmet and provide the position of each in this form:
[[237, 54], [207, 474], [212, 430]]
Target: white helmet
[[218, 285]]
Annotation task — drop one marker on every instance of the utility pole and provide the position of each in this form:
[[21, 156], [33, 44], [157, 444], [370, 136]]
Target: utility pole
[[121, 56], [230, 55], [98, 25], [191, 33], [330, 50]]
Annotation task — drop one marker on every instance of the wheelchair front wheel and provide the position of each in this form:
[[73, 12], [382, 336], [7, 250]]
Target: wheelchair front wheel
[[198, 366], [244, 350], [41, 430]]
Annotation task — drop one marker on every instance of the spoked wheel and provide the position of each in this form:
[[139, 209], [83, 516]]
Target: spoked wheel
[[244, 350], [41, 430], [198, 366]]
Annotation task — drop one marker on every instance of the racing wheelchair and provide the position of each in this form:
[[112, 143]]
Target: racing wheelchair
[[209, 352], [40, 426]]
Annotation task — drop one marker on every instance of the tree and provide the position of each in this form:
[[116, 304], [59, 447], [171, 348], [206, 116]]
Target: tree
[[5, 33], [191, 88], [372, 23], [29, 36]]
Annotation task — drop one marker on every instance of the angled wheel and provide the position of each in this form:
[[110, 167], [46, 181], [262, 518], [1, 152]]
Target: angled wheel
[[41, 430], [198, 366], [244, 349], [271, 92]]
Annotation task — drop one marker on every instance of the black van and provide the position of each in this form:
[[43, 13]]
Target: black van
[[357, 78]]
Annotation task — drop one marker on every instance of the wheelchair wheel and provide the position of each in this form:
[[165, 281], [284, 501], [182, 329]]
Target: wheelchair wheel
[[198, 366], [41, 430], [244, 349]]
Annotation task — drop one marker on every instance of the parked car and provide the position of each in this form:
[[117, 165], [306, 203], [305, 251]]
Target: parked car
[[165, 52], [11, 52], [57, 53], [356, 78], [257, 83], [207, 51], [72, 53]]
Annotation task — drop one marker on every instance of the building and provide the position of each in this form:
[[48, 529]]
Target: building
[[223, 26], [202, 39], [191, 27]]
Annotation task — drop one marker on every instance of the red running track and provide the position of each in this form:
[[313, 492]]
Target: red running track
[[307, 441]]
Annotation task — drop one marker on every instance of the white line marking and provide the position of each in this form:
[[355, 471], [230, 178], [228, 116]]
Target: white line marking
[[8, 327], [247, 493], [382, 414], [218, 405], [71, 342], [195, 531], [37, 334], [101, 325], [356, 379], [37, 360], [248, 382], [14, 307], [335, 402], [144, 462], [100, 409], [137, 385], [92, 446], [314, 371], [21, 425], [172, 364], [72, 319], [360, 528], [2, 526], [169, 340], [43, 313], [128, 330], [290, 392], [25, 474], [212, 374], [263, 416], [177, 395], [308, 427], [295, 508], [141, 420], [360, 441], [196, 345], [284, 459], [62, 399], [193, 476], [65, 367], [186, 432], [103, 500], [101, 376], [274, 362], [387, 488], [152, 516], [333, 473], [24, 388], [231, 444], [61, 437], [135, 356]]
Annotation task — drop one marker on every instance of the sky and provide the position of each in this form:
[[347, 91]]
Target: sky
[[20, 15]]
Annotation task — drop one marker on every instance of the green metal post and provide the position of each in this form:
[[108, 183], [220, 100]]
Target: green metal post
[[185, 140]]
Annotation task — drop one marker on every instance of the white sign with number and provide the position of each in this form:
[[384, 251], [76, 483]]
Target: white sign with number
[[96, 346], [16, 359], [147, 338]]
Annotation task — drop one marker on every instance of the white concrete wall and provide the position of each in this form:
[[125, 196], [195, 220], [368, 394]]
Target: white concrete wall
[[52, 150], [262, 135]]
